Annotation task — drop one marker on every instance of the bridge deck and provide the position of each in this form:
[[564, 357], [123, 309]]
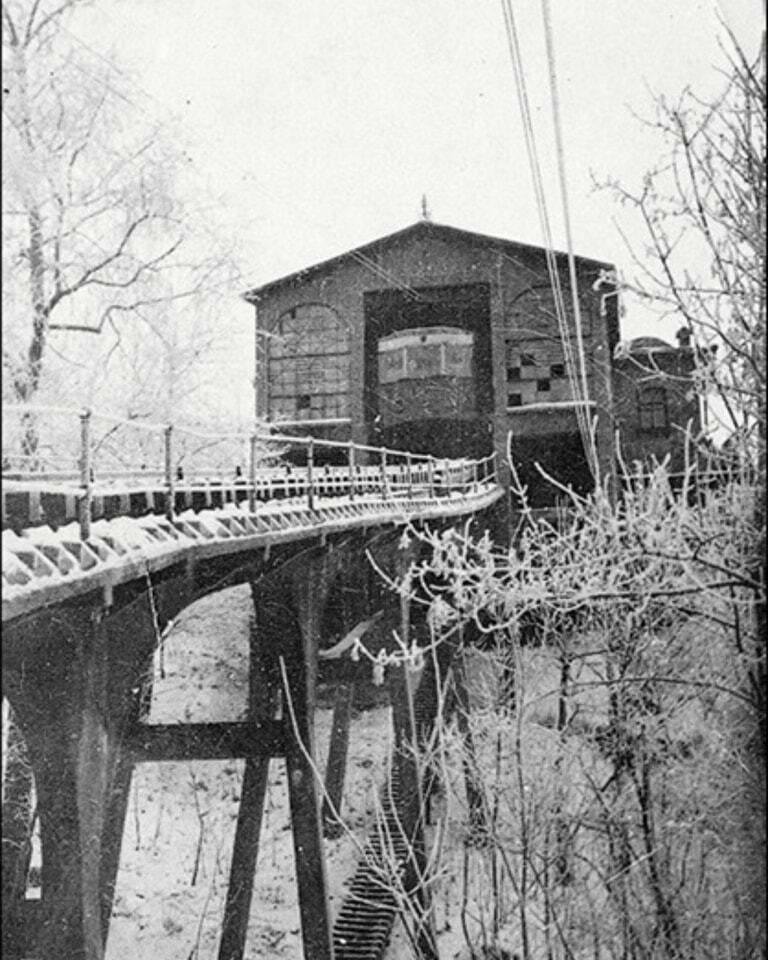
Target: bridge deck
[[42, 566]]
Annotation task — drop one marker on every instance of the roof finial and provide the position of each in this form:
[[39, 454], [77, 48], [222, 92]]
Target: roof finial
[[426, 216]]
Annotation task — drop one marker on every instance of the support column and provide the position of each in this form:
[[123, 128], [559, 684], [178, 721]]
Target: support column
[[291, 614], [337, 758], [62, 703], [263, 684], [17, 844], [112, 839], [475, 799], [132, 640], [244, 855], [74, 684], [91, 782], [407, 760]]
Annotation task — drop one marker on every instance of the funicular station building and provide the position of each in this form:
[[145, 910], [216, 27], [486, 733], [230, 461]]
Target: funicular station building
[[439, 340]]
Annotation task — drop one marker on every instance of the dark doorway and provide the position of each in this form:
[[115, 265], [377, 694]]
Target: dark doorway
[[464, 306], [561, 455]]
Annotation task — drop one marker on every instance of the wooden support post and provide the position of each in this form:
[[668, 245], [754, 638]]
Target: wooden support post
[[244, 854], [252, 473], [86, 480], [384, 492], [413, 813], [91, 780], [306, 821], [112, 838], [475, 800], [262, 689], [170, 480], [310, 474], [351, 470], [17, 844], [337, 759], [65, 707], [290, 612]]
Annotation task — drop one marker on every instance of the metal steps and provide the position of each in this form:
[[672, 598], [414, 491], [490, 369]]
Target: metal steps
[[364, 924]]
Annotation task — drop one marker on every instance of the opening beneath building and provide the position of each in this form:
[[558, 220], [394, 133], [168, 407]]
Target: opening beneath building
[[561, 456]]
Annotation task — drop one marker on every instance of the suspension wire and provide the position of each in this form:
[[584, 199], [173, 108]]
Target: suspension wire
[[581, 398], [560, 152], [554, 274]]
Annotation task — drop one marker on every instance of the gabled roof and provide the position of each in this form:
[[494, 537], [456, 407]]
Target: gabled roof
[[426, 227]]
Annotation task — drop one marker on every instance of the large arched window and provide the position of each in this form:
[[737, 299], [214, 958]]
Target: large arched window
[[308, 365]]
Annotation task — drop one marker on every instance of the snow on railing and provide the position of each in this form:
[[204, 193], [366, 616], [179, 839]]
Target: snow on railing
[[101, 454]]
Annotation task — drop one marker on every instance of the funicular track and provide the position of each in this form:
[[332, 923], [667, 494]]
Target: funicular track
[[387, 872], [364, 922]]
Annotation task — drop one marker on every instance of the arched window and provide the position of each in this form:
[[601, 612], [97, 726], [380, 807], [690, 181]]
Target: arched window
[[308, 365], [533, 314]]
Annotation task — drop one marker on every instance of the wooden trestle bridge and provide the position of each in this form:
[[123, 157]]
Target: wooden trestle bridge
[[109, 534]]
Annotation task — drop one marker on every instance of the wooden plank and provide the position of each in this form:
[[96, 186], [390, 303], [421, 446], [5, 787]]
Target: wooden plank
[[244, 855], [206, 741]]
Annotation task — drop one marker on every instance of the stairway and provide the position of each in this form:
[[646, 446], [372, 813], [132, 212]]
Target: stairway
[[364, 924]]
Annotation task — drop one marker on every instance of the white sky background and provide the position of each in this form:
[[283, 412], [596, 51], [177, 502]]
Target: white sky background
[[320, 123]]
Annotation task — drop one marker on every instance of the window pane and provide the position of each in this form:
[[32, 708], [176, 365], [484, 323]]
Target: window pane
[[308, 364]]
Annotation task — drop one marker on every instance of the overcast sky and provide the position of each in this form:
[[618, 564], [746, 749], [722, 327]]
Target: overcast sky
[[320, 123]]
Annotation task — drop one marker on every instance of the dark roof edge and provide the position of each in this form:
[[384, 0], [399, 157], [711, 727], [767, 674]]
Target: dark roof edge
[[255, 293]]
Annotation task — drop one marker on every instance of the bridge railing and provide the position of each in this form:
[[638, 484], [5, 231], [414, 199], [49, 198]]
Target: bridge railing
[[105, 461]]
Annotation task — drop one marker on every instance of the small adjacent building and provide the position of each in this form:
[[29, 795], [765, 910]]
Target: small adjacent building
[[656, 399]]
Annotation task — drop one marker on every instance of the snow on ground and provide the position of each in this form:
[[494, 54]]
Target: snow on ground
[[179, 831]]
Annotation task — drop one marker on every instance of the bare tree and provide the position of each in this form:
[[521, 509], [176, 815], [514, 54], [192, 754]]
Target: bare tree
[[98, 238], [703, 207]]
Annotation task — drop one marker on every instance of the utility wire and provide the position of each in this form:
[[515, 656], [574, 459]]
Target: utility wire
[[551, 260], [559, 149]]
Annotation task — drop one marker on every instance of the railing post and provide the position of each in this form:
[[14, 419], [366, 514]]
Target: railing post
[[431, 475], [409, 474], [252, 474], [170, 496], [351, 470], [384, 492], [84, 504], [474, 476], [310, 473]]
